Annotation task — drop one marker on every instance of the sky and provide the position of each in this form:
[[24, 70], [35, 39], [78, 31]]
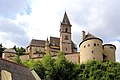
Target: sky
[[23, 20]]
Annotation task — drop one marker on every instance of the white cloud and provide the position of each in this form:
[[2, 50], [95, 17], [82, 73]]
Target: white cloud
[[9, 9]]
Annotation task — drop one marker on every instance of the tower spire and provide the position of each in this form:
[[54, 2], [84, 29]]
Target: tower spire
[[65, 35], [66, 19]]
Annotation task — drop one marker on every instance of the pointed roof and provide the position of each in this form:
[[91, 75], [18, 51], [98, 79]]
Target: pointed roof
[[66, 19], [89, 37]]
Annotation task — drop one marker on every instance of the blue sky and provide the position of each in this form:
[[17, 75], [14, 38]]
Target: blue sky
[[22, 20]]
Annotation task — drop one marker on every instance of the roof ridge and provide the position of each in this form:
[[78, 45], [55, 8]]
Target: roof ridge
[[14, 63], [37, 40], [53, 37]]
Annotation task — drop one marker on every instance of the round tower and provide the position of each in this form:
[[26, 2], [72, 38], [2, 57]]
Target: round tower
[[90, 48], [109, 52]]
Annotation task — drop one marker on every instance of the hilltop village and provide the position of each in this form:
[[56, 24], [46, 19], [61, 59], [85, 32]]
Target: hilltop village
[[91, 47]]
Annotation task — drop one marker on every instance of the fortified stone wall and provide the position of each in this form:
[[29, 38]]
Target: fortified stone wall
[[74, 57]]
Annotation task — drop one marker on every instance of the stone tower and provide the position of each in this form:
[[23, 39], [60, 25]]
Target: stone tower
[[90, 48], [65, 35], [109, 52]]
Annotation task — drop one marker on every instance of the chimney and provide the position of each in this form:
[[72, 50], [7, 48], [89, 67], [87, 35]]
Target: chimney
[[83, 35]]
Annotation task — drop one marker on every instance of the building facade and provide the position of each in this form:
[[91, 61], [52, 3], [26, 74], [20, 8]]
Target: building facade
[[92, 48], [54, 44]]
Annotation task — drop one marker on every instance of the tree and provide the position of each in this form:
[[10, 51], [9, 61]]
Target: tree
[[17, 59], [62, 69], [48, 64], [19, 50], [1, 49], [65, 70]]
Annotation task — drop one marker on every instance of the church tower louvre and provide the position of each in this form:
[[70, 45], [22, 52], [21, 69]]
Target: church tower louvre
[[65, 35]]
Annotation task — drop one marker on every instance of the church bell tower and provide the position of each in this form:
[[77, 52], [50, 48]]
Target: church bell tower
[[65, 35]]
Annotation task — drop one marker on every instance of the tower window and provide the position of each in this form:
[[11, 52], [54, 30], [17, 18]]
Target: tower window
[[97, 44], [94, 44], [66, 37], [111, 47], [92, 51], [84, 46], [66, 29]]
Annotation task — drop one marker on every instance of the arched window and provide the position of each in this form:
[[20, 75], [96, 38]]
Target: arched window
[[66, 29]]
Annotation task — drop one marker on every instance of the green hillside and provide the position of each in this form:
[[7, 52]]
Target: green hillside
[[62, 69]]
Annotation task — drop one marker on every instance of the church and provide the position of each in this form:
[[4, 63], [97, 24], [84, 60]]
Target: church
[[54, 45]]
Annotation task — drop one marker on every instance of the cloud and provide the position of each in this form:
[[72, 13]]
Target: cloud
[[41, 19], [101, 18], [13, 33], [9, 9]]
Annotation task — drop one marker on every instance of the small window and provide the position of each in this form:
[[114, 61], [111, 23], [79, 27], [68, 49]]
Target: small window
[[111, 47], [94, 44], [97, 44], [66, 29], [84, 46], [88, 45], [93, 58], [66, 49], [92, 51]]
